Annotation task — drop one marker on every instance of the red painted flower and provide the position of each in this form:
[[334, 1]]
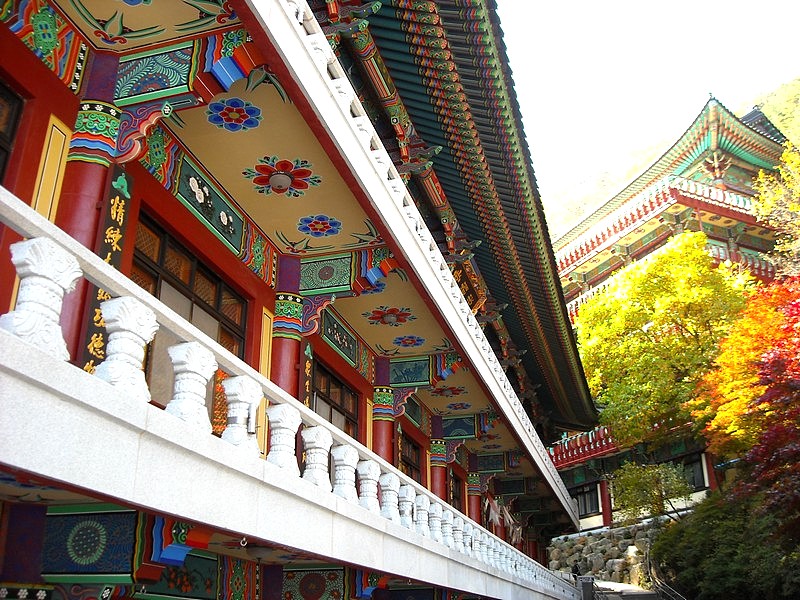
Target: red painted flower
[[384, 315], [282, 176]]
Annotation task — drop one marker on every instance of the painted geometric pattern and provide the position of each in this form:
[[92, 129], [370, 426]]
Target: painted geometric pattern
[[196, 578], [155, 76], [327, 275], [258, 254], [288, 316], [313, 585], [298, 176], [59, 46], [94, 138], [162, 157], [238, 579], [98, 543], [233, 114]]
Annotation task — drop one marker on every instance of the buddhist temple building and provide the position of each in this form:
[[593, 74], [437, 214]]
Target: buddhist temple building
[[279, 314], [704, 182]]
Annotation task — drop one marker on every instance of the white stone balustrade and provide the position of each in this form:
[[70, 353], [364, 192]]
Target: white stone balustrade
[[390, 491], [345, 459], [317, 442], [435, 521], [422, 506], [284, 420], [406, 505], [368, 473], [193, 365], [243, 394], [193, 369], [447, 528], [467, 535], [130, 326], [46, 272], [482, 551], [458, 534]]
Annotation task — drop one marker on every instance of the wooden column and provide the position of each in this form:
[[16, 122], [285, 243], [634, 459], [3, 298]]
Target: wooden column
[[286, 336], [438, 484], [383, 412]]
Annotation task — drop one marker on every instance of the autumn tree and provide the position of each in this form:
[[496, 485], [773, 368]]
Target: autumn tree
[[650, 335], [778, 204], [727, 408], [774, 460]]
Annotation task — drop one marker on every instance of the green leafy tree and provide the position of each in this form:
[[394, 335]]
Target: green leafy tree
[[648, 337], [778, 205], [728, 548], [649, 490]]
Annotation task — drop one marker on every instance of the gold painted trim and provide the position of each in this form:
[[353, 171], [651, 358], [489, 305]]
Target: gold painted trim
[[51, 168]]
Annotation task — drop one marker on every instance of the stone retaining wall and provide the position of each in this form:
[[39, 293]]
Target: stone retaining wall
[[609, 554]]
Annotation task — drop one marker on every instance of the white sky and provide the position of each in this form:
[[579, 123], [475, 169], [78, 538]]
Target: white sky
[[600, 83]]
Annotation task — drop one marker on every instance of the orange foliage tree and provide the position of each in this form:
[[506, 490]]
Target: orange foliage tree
[[729, 407]]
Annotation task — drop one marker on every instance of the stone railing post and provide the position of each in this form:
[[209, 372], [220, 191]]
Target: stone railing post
[[447, 528], [435, 521], [345, 459], [458, 534], [368, 473], [317, 442], [422, 505], [193, 365], [390, 490], [284, 421], [130, 326], [406, 505], [46, 272], [468, 538], [243, 395], [483, 546]]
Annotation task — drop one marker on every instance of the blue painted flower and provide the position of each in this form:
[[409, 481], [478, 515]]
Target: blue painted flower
[[319, 225], [459, 406], [408, 341], [234, 114]]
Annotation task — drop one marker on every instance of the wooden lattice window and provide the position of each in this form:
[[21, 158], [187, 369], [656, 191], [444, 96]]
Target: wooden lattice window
[[10, 111]]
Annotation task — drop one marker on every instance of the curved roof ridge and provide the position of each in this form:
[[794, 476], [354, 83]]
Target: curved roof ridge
[[664, 165]]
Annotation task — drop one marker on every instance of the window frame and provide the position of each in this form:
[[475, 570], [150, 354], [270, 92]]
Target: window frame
[[349, 413], [161, 273]]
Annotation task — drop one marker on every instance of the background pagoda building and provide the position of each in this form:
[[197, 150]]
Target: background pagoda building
[[286, 315], [704, 182]]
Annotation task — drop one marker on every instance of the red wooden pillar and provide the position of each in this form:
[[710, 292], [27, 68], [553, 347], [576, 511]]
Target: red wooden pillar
[[474, 497], [438, 483], [92, 149], [383, 412], [605, 503], [286, 327]]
